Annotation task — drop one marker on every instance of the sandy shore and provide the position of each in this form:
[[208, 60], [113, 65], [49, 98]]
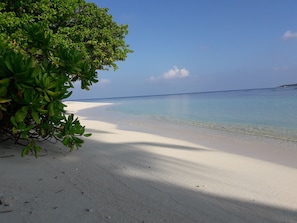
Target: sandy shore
[[128, 176]]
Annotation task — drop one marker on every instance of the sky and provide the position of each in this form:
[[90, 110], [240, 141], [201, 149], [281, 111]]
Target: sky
[[184, 46]]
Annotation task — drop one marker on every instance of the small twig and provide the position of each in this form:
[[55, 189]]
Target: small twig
[[6, 156], [7, 211], [59, 191]]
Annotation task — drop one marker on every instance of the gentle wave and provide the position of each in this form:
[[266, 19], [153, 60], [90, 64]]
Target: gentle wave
[[262, 131]]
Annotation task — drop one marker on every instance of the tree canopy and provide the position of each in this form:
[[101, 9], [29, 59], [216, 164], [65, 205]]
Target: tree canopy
[[45, 46]]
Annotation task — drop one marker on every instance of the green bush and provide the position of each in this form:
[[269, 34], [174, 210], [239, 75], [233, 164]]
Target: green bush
[[45, 46]]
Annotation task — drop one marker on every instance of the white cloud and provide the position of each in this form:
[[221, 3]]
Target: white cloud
[[173, 73], [104, 81], [289, 35]]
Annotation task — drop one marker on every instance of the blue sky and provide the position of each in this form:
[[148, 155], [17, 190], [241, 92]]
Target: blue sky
[[201, 45]]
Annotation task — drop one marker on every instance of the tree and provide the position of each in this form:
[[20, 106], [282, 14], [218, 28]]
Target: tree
[[45, 46]]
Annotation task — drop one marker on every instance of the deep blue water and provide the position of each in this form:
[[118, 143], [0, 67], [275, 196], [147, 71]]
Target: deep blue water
[[265, 112]]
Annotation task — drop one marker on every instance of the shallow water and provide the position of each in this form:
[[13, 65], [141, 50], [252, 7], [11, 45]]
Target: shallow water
[[260, 112]]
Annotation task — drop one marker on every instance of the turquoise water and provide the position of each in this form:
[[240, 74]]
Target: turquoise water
[[263, 112]]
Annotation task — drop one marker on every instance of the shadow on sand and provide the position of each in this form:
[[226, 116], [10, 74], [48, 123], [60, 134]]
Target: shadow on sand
[[128, 184]]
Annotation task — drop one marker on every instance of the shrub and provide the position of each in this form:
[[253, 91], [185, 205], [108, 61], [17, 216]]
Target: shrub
[[45, 46]]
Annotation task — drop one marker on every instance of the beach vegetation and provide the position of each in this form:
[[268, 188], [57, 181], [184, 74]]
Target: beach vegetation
[[46, 46]]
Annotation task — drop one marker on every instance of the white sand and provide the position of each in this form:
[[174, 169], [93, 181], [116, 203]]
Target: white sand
[[126, 176]]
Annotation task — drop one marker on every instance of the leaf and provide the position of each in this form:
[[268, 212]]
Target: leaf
[[4, 100], [26, 150], [42, 111], [36, 150], [8, 65], [13, 121], [42, 133], [28, 128], [35, 116], [21, 114], [52, 93], [87, 134], [67, 95], [14, 130], [4, 83], [47, 99], [70, 119], [51, 109], [66, 141], [77, 140], [3, 108], [78, 129]]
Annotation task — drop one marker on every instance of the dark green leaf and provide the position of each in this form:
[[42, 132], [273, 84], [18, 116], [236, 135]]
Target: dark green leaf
[[87, 134]]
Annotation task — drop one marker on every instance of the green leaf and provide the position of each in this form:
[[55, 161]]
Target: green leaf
[[13, 121], [77, 140], [67, 95], [26, 150], [42, 132], [51, 109], [4, 83], [14, 130], [35, 116], [21, 114], [36, 150], [8, 65], [47, 99], [87, 134], [4, 100], [42, 111], [28, 128], [66, 141], [70, 119], [52, 93], [3, 108]]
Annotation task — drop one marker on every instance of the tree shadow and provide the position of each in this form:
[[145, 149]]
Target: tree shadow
[[9, 149], [137, 187], [125, 182]]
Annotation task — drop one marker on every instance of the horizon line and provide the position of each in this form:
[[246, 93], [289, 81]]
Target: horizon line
[[171, 94]]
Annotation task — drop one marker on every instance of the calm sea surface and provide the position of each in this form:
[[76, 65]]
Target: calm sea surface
[[261, 112]]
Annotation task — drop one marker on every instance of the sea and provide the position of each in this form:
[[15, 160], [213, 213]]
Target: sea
[[269, 112]]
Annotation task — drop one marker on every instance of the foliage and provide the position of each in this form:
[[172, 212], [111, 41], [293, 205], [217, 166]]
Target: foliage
[[45, 46]]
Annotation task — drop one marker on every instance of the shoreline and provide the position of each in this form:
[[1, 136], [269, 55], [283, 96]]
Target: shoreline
[[133, 176], [266, 148]]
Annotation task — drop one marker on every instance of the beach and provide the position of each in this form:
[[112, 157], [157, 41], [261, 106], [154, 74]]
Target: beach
[[128, 175]]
